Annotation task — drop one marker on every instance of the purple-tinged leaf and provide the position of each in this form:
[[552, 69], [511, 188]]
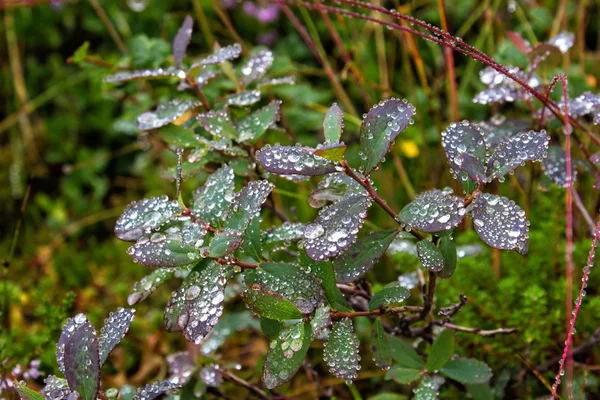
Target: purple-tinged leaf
[[595, 158], [391, 294], [360, 257], [584, 104], [78, 346], [499, 128], [336, 227], [159, 73], [181, 367], [341, 350], [433, 211], [256, 67], [211, 201], [501, 88], [266, 303], [285, 80], [430, 256], [519, 41], [55, 388], [286, 160], [181, 40], [302, 288], [463, 137], [160, 250], [500, 222], [114, 329], [255, 124], [154, 390], [218, 124], [245, 98], [380, 347], [321, 322], [287, 232], [544, 56], [332, 152], [221, 55], [165, 114], [205, 76], [564, 41], [333, 123], [145, 287], [140, 217], [277, 368], [473, 167], [555, 166], [211, 376], [204, 298], [334, 187], [515, 151], [380, 127]]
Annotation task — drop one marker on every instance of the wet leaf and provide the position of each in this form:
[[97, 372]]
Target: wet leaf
[[284, 80], [334, 187], [341, 350], [404, 354], [463, 137], [287, 232], [218, 124], [158, 73], [380, 127], [323, 270], [333, 123], [205, 76], [255, 124], [334, 152], [467, 371], [242, 99], [140, 217], [269, 304], [441, 351], [499, 129], [382, 355], [501, 88], [244, 207], [226, 53], [77, 352], [555, 165], [403, 375], [292, 339], [256, 67], [211, 201], [277, 368], [165, 113], [26, 393], [288, 160], [447, 247], [564, 41], [389, 295], [160, 250], [427, 390], [178, 136], [321, 322], [114, 329], [302, 288], [154, 390], [252, 244], [500, 222], [181, 366], [55, 388], [515, 151], [336, 227], [203, 293], [433, 211], [181, 40], [430, 256], [228, 324], [270, 328], [473, 167], [360, 257]]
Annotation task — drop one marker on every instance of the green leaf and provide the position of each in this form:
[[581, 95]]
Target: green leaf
[[142, 216], [211, 201], [148, 284], [403, 375], [388, 295], [341, 350], [300, 287], [433, 211], [148, 52], [270, 327], [382, 124], [252, 244], [114, 329], [467, 371], [404, 354], [178, 136], [333, 152], [79, 345], [430, 256], [448, 248], [323, 270], [162, 250], [269, 304], [27, 394], [81, 53], [292, 338], [333, 124], [480, 391], [218, 124], [382, 355], [427, 390], [165, 113], [360, 257], [277, 368], [388, 396], [254, 125], [441, 351]]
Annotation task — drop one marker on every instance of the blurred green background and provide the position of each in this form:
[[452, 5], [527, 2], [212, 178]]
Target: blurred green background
[[71, 160]]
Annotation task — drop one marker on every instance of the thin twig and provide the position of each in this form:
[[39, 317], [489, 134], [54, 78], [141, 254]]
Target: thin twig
[[254, 389], [478, 331]]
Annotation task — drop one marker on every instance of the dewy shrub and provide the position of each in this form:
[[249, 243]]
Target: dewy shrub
[[218, 241]]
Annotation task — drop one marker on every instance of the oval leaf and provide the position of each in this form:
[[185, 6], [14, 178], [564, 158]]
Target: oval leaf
[[333, 123], [245, 98], [467, 371], [499, 129], [463, 137], [165, 113], [141, 217], [293, 160], [221, 55], [213, 199], [154, 390], [433, 211], [158, 73], [336, 227], [218, 124], [382, 355], [403, 375], [145, 287], [266, 303], [380, 127], [388, 295], [255, 124], [441, 351], [500, 222], [256, 67], [160, 250], [555, 166], [512, 153], [448, 248], [430, 256], [404, 354], [473, 167], [181, 40], [114, 329], [341, 350]]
